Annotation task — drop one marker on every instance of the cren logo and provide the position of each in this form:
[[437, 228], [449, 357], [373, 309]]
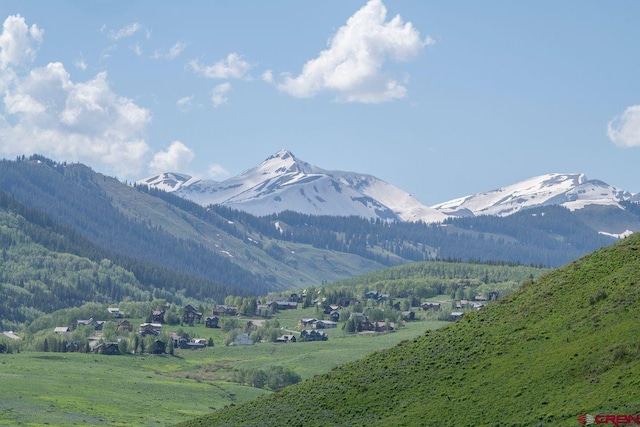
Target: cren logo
[[616, 420], [586, 419]]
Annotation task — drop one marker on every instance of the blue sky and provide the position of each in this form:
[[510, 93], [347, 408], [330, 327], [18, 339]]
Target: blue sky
[[441, 99]]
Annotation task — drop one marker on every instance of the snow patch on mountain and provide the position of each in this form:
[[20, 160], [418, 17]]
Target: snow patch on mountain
[[573, 191]]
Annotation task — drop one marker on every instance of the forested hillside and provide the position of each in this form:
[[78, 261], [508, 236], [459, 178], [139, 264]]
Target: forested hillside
[[45, 266]]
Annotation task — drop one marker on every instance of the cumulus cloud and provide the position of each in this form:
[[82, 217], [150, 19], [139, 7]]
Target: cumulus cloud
[[18, 42], [352, 66], [173, 52], [177, 158], [43, 111], [47, 113], [219, 94], [624, 130], [231, 67], [218, 172]]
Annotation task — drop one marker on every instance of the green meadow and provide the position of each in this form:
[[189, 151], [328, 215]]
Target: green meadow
[[61, 389]]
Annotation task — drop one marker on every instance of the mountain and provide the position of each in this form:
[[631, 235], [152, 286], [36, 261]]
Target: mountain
[[563, 346], [573, 191], [283, 182]]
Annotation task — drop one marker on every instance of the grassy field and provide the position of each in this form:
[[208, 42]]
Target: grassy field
[[60, 389]]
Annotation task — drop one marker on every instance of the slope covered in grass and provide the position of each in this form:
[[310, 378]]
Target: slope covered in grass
[[564, 345]]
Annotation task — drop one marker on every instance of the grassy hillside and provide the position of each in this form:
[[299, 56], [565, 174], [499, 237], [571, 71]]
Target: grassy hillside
[[563, 345]]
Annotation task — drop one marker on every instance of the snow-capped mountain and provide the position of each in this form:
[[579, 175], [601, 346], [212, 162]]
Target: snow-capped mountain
[[574, 191], [283, 182]]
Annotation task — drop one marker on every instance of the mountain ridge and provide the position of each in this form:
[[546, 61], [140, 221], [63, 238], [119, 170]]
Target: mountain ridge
[[284, 182]]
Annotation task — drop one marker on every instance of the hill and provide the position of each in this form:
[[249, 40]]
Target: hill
[[563, 345]]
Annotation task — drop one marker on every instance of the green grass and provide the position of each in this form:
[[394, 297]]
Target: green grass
[[564, 345], [65, 389]]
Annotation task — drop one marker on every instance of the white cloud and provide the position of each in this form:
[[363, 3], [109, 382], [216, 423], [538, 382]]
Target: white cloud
[[172, 53], [232, 67], [267, 76], [176, 159], [217, 171], [137, 49], [46, 112], [80, 64], [219, 94], [624, 130], [18, 42], [127, 31], [184, 103], [351, 67]]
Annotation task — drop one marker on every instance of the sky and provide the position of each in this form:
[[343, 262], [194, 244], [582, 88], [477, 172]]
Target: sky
[[441, 99]]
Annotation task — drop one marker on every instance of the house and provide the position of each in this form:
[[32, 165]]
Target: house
[[62, 330], [157, 316], [371, 295], [286, 338], [325, 324], [158, 347], [306, 322], [224, 309], [191, 315], [11, 335], [335, 315], [408, 316], [332, 307], [377, 326], [125, 325], [313, 335], [285, 305], [109, 348], [178, 341], [456, 315], [114, 311], [242, 339], [211, 322], [97, 324], [435, 306], [150, 329]]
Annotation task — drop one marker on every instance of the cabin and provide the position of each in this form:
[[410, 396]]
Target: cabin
[[227, 310], [157, 316], [408, 316], [211, 322], [62, 330], [158, 347], [286, 338], [115, 312], [332, 307], [191, 315], [108, 348], [335, 315], [125, 325], [456, 315], [285, 305], [150, 329], [313, 335], [426, 306], [325, 324], [97, 324], [306, 322]]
